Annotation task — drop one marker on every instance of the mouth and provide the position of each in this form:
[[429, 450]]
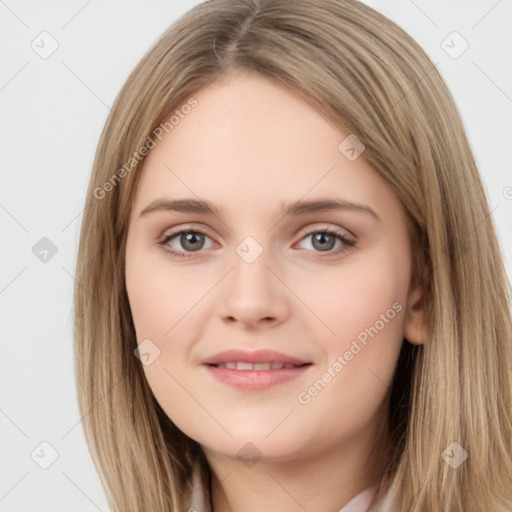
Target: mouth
[[254, 371], [244, 366], [237, 359]]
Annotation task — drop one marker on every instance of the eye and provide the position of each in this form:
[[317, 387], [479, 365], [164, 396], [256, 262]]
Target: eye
[[190, 240], [324, 240]]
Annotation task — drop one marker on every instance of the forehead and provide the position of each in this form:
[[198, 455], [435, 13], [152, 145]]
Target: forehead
[[252, 142]]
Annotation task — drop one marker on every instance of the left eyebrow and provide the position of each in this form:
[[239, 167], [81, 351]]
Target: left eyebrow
[[295, 208], [322, 205]]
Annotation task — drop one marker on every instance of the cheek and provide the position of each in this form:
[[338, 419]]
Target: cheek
[[160, 294], [159, 298], [352, 297], [362, 306]]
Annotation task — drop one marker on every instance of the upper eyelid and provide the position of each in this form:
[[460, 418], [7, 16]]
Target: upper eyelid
[[172, 232], [309, 230], [304, 231]]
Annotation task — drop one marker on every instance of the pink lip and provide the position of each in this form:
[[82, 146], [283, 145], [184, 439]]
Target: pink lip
[[258, 356], [255, 380]]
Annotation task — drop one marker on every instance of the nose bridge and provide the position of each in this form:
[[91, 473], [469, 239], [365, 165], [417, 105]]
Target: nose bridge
[[252, 291]]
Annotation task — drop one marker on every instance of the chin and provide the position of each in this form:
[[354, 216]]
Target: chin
[[250, 446]]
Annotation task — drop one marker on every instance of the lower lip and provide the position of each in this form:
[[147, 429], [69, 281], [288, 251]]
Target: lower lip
[[256, 380]]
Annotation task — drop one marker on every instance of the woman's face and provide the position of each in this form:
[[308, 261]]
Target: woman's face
[[252, 277]]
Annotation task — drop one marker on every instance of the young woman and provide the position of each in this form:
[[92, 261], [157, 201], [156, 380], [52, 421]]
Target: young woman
[[290, 292]]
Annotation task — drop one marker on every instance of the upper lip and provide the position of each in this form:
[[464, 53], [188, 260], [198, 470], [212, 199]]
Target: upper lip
[[258, 356]]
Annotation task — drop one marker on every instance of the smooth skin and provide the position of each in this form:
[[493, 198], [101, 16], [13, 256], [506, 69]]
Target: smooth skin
[[249, 147]]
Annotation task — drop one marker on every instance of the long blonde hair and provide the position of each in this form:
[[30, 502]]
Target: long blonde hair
[[369, 78]]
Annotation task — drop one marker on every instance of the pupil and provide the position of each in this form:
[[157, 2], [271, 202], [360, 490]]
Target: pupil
[[320, 237], [190, 238]]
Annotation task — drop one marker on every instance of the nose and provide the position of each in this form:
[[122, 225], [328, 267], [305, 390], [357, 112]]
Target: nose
[[253, 294]]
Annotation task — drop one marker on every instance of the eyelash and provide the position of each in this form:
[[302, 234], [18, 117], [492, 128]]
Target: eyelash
[[348, 243]]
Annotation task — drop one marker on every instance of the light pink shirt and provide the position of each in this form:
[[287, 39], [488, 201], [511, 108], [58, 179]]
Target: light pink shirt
[[359, 503]]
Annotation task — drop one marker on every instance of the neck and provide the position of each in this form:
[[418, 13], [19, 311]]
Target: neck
[[327, 480]]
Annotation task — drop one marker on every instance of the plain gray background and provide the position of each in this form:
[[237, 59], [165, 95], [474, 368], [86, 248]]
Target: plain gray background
[[53, 110]]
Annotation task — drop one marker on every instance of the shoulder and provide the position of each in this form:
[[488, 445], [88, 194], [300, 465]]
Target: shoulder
[[197, 498]]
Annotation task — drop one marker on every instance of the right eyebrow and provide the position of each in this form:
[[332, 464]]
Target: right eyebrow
[[181, 205]]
